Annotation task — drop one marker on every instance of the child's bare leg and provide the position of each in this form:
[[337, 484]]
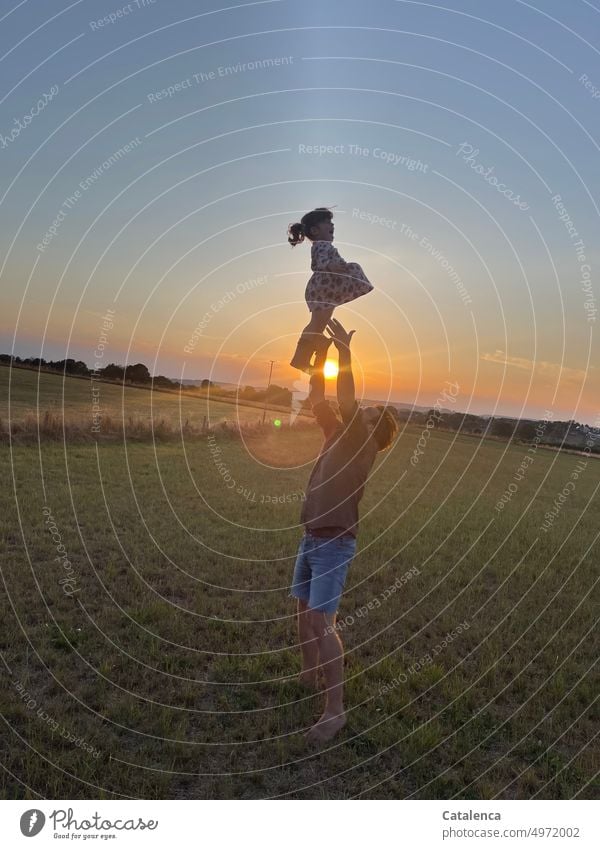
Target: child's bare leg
[[318, 320], [308, 339]]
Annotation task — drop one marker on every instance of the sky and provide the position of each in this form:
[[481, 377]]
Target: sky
[[154, 153]]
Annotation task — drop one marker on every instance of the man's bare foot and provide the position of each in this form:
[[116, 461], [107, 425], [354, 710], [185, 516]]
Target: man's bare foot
[[326, 727]]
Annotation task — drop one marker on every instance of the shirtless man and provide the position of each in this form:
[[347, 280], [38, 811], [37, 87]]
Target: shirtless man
[[330, 519]]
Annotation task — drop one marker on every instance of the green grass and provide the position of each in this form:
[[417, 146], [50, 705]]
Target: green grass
[[34, 393], [176, 658]]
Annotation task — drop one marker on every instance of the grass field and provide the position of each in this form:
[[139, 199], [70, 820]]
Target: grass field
[[34, 393], [174, 656]]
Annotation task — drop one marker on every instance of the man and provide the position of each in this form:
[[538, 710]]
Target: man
[[330, 519]]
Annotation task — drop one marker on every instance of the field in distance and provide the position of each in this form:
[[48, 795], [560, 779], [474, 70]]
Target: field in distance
[[34, 393]]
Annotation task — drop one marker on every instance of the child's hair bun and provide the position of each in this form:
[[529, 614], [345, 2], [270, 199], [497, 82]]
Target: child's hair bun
[[296, 234]]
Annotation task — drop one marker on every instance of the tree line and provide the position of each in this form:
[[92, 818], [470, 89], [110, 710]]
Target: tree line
[[568, 433], [138, 374]]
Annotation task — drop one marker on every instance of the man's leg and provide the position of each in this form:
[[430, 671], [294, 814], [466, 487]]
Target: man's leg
[[308, 645], [331, 655]]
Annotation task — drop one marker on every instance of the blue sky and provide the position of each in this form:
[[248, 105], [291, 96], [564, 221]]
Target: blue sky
[[199, 204]]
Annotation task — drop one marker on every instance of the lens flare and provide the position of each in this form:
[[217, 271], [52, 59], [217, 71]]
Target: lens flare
[[331, 369]]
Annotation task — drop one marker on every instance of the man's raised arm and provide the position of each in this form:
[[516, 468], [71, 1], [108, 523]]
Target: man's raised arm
[[321, 408], [317, 378], [349, 409], [345, 379]]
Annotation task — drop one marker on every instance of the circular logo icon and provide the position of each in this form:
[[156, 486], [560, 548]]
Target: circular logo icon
[[32, 822]]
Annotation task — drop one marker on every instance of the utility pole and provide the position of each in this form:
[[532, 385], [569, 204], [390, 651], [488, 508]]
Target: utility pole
[[267, 391]]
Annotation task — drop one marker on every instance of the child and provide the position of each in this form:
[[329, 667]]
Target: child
[[334, 281]]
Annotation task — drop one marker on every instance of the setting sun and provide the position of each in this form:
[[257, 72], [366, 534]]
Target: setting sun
[[330, 369]]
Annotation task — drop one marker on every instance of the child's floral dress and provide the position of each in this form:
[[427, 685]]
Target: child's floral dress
[[326, 289]]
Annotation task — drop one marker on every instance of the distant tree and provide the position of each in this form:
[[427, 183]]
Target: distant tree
[[69, 366], [249, 393], [502, 428], [279, 395], [206, 383], [526, 431], [438, 418], [165, 382], [79, 367], [113, 372], [456, 421], [137, 373]]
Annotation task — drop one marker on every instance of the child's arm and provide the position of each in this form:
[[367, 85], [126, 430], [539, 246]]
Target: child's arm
[[327, 258], [336, 264]]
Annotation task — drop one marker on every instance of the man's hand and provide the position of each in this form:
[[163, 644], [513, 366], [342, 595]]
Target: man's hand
[[339, 335]]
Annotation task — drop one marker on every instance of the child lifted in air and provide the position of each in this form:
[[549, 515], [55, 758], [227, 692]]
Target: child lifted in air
[[334, 281]]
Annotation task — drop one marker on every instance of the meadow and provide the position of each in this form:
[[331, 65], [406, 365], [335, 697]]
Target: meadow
[[26, 395], [148, 640]]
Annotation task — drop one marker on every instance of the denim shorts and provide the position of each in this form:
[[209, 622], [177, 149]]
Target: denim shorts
[[320, 571]]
